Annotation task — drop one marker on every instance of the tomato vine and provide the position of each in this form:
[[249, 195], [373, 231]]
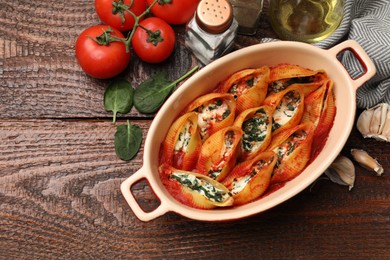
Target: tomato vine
[[119, 8]]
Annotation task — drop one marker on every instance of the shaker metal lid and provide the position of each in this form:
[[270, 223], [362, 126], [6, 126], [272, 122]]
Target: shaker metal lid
[[214, 16]]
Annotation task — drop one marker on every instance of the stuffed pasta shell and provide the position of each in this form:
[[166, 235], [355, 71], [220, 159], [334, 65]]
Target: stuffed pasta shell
[[288, 109], [256, 124], [249, 87], [293, 148], [218, 154], [285, 75], [251, 178], [215, 111], [320, 109], [182, 143], [194, 189]]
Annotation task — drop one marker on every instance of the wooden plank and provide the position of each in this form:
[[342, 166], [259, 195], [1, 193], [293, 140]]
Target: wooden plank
[[60, 198], [60, 177]]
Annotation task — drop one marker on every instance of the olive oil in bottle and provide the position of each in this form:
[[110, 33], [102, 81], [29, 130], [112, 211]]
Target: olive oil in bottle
[[305, 20]]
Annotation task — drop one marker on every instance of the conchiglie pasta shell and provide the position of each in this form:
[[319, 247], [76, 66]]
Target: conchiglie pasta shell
[[283, 76], [287, 71], [218, 154], [256, 146], [193, 197], [257, 184], [207, 125], [314, 103], [247, 96], [305, 88], [325, 121], [184, 159], [291, 163], [295, 118]]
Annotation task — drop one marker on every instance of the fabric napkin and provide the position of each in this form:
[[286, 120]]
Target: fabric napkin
[[368, 23]]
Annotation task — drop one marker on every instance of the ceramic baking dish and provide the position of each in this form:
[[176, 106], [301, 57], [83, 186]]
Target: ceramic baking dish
[[206, 79]]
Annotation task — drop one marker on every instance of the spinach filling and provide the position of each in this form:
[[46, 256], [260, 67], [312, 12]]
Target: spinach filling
[[253, 132], [282, 84], [239, 87], [214, 106], [289, 146], [225, 114], [203, 187]]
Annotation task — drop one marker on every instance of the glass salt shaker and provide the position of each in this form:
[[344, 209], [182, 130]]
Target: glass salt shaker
[[210, 34], [247, 14]]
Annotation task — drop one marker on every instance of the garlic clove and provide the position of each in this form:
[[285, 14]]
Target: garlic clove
[[363, 122], [342, 171], [365, 160], [375, 122], [386, 126], [385, 109]]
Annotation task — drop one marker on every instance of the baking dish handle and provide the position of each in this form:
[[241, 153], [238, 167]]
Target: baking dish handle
[[135, 207], [360, 54]]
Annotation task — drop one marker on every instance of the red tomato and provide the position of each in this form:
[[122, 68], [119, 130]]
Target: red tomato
[[175, 12], [101, 61], [144, 46], [105, 8]]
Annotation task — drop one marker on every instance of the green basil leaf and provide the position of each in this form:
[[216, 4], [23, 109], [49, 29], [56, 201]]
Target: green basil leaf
[[152, 93], [118, 97], [128, 139]]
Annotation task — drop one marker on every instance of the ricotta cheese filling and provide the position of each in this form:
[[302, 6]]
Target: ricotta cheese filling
[[240, 183], [184, 138], [289, 146], [286, 109], [240, 87], [210, 114]]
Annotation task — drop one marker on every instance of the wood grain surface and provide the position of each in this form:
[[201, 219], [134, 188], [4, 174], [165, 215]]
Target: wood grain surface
[[60, 177]]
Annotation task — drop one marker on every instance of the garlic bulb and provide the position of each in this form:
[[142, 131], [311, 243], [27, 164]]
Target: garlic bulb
[[365, 160], [342, 171], [375, 122]]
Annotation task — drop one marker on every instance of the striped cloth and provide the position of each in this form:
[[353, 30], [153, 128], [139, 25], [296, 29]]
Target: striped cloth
[[368, 23]]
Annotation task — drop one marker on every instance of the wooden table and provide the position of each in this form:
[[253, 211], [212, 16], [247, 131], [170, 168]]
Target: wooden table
[[60, 177]]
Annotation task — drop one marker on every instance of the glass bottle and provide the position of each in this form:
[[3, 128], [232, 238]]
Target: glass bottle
[[210, 34], [305, 20], [247, 14]]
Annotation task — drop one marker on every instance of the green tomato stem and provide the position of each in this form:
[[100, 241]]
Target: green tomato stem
[[153, 36], [119, 8], [137, 20]]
